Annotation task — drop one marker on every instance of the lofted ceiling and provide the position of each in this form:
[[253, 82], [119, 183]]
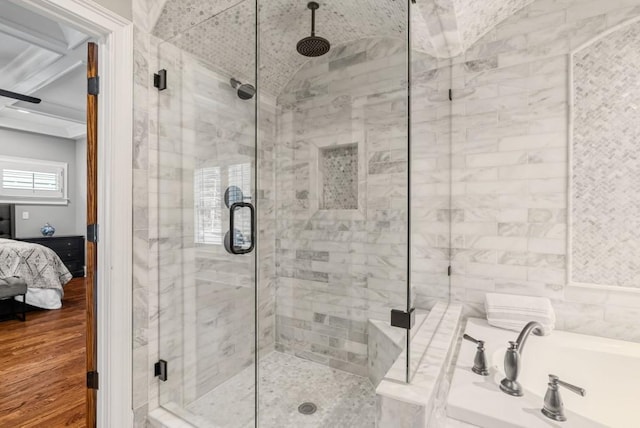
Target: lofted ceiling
[[222, 31], [43, 59]]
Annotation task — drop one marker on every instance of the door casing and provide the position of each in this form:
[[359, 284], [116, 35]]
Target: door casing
[[115, 203]]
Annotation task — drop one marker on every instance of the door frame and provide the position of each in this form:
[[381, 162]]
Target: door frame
[[115, 201]]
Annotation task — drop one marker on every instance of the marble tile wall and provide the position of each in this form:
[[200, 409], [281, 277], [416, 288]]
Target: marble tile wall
[[412, 405], [605, 238], [454, 25], [167, 264], [384, 346], [510, 165], [339, 268], [475, 18], [144, 295]]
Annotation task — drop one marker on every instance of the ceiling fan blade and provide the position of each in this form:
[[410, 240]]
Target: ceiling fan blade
[[19, 97]]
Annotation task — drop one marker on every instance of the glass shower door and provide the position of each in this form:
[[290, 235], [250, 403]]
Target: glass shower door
[[431, 111], [206, 208]]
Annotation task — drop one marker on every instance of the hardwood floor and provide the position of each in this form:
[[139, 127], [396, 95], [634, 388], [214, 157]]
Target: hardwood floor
[[42, 365]]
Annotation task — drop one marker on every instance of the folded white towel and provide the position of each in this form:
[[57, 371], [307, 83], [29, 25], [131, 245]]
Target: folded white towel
[[513, 312]]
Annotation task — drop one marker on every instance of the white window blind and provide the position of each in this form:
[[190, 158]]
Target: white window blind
[[208, 206], [209, 202], [33, 181], [240, 176]]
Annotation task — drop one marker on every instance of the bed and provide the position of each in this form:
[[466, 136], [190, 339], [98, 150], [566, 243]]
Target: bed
[[41, 268]]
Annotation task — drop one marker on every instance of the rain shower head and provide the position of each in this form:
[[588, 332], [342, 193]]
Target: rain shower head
[[245, 91], [313, 45]]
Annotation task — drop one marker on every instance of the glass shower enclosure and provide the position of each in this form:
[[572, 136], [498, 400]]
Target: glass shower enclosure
[[284, 208], [207, 201]]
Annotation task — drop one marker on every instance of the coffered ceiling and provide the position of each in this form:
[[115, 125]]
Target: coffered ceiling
[[46, 60]]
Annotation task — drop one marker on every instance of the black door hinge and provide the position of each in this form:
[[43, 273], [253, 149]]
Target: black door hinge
[[93, 85], [92, 232], [449, 271], [160, 370], [160, 80], [92, 380], [403, 319], [450, 94]]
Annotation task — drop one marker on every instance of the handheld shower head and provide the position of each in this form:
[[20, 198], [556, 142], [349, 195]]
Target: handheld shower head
[[245, 90]]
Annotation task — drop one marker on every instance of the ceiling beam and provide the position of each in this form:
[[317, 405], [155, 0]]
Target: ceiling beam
[[32, 36], [22, 66], [31, 123], [74, 37], [55, 111], [45, 76]]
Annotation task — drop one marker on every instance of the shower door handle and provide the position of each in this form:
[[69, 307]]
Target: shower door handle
[[232, 214]]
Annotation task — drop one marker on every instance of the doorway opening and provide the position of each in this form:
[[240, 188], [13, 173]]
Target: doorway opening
[[49, 94]]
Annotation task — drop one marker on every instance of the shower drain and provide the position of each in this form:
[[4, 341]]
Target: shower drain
[[307, 408]]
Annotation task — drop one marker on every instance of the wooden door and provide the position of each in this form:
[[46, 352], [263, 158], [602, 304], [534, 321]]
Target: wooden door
[[92, 221]]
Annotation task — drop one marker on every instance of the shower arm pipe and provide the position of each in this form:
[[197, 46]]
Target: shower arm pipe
[[313, 22]]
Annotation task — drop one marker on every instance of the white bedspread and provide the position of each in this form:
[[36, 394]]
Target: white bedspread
[[39, 266]]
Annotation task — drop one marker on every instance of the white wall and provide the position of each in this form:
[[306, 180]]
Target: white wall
[[121, 7], [81, 186], [36, 146]]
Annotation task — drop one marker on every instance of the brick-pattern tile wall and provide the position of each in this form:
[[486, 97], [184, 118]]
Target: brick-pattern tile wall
[[510, 166]]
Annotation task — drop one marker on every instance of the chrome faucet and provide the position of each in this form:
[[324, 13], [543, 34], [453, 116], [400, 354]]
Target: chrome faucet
[[553, 405], [512, 359]]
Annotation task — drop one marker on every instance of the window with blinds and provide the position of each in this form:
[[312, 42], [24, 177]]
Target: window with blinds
[[33, 181], [240, 176], [209, 202], [208, 206]]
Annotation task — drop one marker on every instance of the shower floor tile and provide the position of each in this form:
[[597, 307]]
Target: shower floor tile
[[344, 400]]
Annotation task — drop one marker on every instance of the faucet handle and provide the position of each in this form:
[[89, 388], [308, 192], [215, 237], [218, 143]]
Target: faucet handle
[[553, 405], [471, 339], [480, 360], [555, 380]]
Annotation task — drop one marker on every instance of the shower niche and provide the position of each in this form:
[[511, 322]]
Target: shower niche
[[338, 172], [337, 179]]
